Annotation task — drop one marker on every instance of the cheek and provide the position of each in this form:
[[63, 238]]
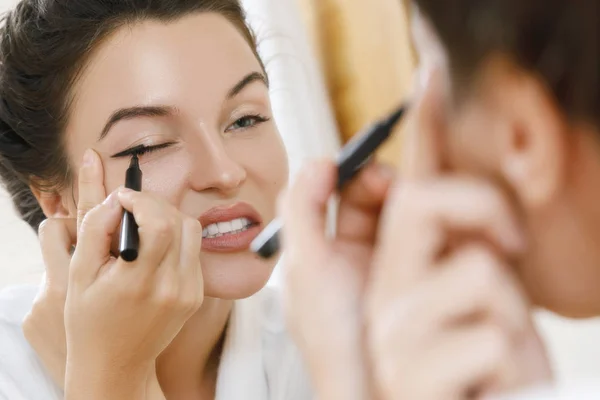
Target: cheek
[[265, 160]]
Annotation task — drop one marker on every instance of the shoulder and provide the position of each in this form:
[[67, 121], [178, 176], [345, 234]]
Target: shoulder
[[22, 375], [283, 361]]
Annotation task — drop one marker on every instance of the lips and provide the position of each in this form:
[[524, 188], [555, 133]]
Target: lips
[[230, 229]]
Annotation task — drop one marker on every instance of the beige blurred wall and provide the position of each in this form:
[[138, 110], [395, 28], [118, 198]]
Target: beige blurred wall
[[365, 51]]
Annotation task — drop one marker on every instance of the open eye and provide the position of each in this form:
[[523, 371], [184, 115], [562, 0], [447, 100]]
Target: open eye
[[247, 122]]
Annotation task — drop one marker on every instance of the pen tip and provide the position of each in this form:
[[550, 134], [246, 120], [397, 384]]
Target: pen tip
[[134, 161], [395, 117]]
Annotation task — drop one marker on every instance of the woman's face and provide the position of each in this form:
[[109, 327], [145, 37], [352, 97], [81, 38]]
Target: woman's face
[[194, 88]]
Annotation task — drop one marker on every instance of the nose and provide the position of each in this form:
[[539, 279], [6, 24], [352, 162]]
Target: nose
[[214, 169]]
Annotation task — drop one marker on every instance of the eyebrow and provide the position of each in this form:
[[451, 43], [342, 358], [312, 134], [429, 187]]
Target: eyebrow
[[136, 112], [165, 111], [247, 80]]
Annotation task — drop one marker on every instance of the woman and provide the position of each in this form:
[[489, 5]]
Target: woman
[[82, 84], [497, 213]]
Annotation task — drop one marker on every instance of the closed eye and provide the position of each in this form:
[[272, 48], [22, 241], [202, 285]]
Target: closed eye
[[141, 150], [247, 122]]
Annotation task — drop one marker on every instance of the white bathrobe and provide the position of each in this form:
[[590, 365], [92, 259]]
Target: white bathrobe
[[259, 362]]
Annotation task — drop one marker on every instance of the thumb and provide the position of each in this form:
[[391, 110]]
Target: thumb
[[57, 237], [304, 208], [91, 190], [94, 241]]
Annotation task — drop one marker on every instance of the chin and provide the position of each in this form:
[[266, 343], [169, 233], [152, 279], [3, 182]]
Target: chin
[[235, 276]]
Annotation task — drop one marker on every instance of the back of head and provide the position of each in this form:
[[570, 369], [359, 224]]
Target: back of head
[[557, 39], [44, 45], [520, 108]]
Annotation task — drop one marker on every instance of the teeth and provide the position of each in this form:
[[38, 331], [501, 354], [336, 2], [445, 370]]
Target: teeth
[[226, 228], [237, 224], [212, 229]]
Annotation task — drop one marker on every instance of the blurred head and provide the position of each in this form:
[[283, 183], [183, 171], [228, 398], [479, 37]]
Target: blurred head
[[181, 77], [521, 107]]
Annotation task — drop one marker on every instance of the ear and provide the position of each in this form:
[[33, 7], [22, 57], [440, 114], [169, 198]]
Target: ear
[[53, 204], [532, 142]]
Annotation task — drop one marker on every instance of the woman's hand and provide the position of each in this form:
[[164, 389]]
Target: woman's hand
[[447, 322], [325, 278], [44, 325], [120, 316], [446, 317]]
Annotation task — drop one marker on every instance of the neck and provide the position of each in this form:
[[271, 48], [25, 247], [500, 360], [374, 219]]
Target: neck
[[188, 367]]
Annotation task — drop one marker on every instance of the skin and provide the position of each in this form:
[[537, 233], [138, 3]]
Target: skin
[[494, 215], [547, 164], [181, 65], [189, 65]]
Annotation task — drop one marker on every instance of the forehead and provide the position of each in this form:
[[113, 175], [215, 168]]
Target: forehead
[[184, 62]]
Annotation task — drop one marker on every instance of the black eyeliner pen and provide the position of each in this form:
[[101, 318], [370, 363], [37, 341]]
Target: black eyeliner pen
[[129, 242], [352, 158]]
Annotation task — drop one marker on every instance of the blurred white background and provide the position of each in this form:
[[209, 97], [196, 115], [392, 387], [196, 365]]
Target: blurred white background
[[298, 90]]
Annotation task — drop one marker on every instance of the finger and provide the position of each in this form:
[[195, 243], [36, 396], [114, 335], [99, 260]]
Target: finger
[[481, 286], [159, 228], [172, 258], [420, 217], [477, 354], [57, 237], [191, 271], [94, 240], [361, 202], [421, 154], [304, 207], [91, 190], [470, 287]]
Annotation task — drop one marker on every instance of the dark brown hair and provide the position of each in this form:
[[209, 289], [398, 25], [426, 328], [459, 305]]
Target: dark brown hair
[[44, 46], [557, 39]]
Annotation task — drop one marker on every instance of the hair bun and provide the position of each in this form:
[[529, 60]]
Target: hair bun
[[10, 141]]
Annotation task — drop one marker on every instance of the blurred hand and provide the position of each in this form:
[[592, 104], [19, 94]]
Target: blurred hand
[[446, 318], [44, 325], [120, 316], [326, 277]]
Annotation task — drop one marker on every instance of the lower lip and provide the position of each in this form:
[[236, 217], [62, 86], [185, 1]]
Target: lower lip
[[231, 243]]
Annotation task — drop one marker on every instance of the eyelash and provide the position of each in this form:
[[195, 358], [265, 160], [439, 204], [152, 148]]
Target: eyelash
[[256, 119], [140, 150]]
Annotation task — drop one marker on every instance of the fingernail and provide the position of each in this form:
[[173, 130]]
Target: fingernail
[[88, 158], [123, 191], [112, 200]]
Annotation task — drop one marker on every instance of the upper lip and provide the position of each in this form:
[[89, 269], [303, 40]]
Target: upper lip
[[228, 213]]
